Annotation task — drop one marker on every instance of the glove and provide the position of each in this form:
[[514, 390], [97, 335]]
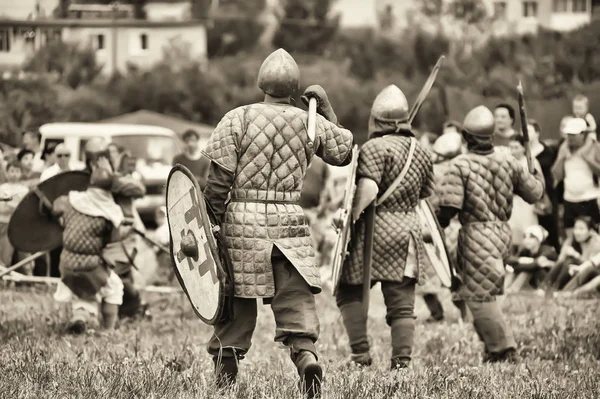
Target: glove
[[323, 105]]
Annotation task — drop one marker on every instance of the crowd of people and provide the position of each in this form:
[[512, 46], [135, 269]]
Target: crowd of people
[[554, 248]]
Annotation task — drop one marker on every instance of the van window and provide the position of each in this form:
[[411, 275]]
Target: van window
[[150, 148]]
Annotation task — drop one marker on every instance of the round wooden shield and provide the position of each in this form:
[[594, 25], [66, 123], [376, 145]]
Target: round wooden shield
[[32, 227], [199, 276], [436, 250]]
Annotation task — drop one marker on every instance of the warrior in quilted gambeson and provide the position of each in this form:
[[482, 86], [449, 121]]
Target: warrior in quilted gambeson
[[398, 250], [89, 219], [259, 156], [447, 147], [124, 190], [479, 187]]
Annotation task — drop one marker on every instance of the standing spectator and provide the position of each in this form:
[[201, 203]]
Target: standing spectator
[[29, 177], [31, 142], [63, 158], [523, 214], [576, 251], [11, 194], [49, 156], [578, 167], [504, 116], [192, 158], [547, 209], [580, 108]]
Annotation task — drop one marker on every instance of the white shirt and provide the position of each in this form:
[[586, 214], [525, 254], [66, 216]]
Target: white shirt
[[579, 180], [38, 163], [52, 171]]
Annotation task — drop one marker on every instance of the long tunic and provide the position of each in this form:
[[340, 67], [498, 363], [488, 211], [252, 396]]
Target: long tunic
[[381, 159], [481, 188], [266, 150]]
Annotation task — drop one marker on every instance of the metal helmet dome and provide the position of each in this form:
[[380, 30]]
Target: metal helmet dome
[[279, 75]]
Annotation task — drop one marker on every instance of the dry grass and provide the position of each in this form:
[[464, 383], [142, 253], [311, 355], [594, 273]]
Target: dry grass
[[165, 357]]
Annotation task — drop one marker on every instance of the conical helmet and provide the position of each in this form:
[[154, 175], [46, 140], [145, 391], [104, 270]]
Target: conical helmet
[[279, 75], [479, 122], [390, 105]]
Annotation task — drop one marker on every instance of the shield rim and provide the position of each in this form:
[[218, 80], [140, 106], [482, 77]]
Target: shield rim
[[12, 221], [351, 185], [440, 234], [210, 238]]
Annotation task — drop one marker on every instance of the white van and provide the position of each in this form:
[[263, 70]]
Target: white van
[[154, 148]]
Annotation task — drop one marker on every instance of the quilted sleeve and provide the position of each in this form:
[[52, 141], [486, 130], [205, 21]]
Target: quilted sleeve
[[428, 184], [452, 190], [222, 145], [335, 143], [371, 161], [527, 186]]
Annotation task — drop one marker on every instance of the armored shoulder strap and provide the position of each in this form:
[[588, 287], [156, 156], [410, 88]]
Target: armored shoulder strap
[[403, 172]]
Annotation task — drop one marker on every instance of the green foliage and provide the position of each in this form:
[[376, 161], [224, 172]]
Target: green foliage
[[307, 27], [72, 64], [24, 104]]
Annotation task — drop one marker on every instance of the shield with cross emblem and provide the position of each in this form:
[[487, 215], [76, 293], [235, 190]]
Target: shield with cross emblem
[[194, 252]]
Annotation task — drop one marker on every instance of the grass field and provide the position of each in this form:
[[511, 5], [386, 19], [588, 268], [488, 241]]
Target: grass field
[[165, 357]]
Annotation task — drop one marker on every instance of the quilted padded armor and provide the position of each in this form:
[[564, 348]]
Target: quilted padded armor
[[482, 187], [381, 159], [84, 237], [267, 148]]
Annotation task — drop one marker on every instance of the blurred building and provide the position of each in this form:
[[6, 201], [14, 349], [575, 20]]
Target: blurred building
[[526, 16], [116, 33], [507, 17]]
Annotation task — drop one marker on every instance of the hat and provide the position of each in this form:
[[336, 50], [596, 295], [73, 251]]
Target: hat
[[538, 232], [448, 144], [575, 126]]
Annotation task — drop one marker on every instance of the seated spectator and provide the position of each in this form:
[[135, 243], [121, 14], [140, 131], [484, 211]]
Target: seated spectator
[[63, 159], [11, 193], [115, 156], [532, 261], [576, 251], [523, 214], [29, 177]]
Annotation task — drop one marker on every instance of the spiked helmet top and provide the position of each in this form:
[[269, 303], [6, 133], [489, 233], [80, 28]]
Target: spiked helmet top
[[279, 75], [479, 122]]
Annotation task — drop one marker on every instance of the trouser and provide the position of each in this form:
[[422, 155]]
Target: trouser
[[132, 300], [294, 308], [583, 277], [399, 300], [437, 309], [491, 328], [559, 275]]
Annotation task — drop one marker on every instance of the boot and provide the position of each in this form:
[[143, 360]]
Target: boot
[[403, 331], [355, 322], [509, 355], [226, 370], [435, 308], [399, 363], [361, 359], [310, 372]]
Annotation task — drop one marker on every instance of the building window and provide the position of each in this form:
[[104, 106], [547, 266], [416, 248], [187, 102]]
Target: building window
[[500, 9], [100, 42], [144, 41], [4, 41], [530, 9], [561, 5], [579, 5]]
